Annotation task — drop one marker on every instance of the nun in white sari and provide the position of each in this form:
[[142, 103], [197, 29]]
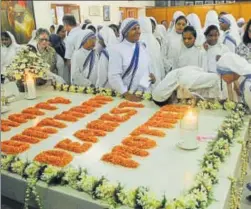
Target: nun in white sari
[[193, 80], [175, 16], [153, 48], [9, 49], [194, 21], [231, 37], [174, 40], [129, 63], [161, 30], [236, 70], [212, 19], [84, 60], [107, 39]]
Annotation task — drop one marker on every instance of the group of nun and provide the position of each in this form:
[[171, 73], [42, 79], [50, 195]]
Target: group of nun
[[182, 61]]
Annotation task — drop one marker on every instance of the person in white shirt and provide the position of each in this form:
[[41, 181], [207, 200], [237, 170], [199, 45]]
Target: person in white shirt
[[163, 47], [194, 21], [73, 32], [214, 48], [174, 40], [153, 48], [84, 60], [129, 63], [175, 16], [191, 55], [231, 37], [9, 49], [107, 39]]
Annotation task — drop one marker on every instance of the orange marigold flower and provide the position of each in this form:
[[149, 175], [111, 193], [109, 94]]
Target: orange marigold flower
[[59, 100], [9, 123], [115, 118], [83, 109], [118, 160], [84, 137], [122, 153], [147, 131], [51, 122], [17, 118], [5, 128], [130, 104], [74, 114], [131, 150], [33, 111], [101, 125], [163, 119], [93, 132], [46, 106], [175, 108], [13, 147], [139, 142], [103, 98], [54, 157], [122, 111], [25, 138], [76, 147], [47, 130], [66, 117], [159, 124], [92, 104], [38, 134]]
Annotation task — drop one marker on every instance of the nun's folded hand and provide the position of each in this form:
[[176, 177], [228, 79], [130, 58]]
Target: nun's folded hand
[[132, 97], [152, 78]]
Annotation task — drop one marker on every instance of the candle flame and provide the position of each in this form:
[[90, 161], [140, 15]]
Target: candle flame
[[29, 77]]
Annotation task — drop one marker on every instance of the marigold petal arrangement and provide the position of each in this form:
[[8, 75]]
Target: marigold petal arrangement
[[59, 100], [54, 157], [45, 106], [13, 147], [71, 146]]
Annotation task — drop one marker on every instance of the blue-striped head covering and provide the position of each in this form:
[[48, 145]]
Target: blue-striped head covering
[[127, 25], [100, 37], [225, 20], [88, 34]]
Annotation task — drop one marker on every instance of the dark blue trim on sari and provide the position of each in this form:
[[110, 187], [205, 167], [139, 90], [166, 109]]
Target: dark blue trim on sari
[[133, 65], [90, 59]]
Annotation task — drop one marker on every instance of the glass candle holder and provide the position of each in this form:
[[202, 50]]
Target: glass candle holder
[[30, 87], [189, 130]]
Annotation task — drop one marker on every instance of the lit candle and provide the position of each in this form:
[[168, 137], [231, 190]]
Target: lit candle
[[31, 89], [190, 120]]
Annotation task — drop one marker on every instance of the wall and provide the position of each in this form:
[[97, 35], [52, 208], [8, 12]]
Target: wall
[[166, 13], [43, 15]]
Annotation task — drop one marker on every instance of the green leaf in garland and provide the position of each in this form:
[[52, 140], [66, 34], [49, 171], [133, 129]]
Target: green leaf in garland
[[66, 87], [118, 189], [72, 88], [96, 185]]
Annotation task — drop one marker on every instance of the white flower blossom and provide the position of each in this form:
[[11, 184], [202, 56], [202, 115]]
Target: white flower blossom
[[49, 173]]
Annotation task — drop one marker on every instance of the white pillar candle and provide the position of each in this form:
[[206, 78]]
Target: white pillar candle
[[30, 88], [190, 121]]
